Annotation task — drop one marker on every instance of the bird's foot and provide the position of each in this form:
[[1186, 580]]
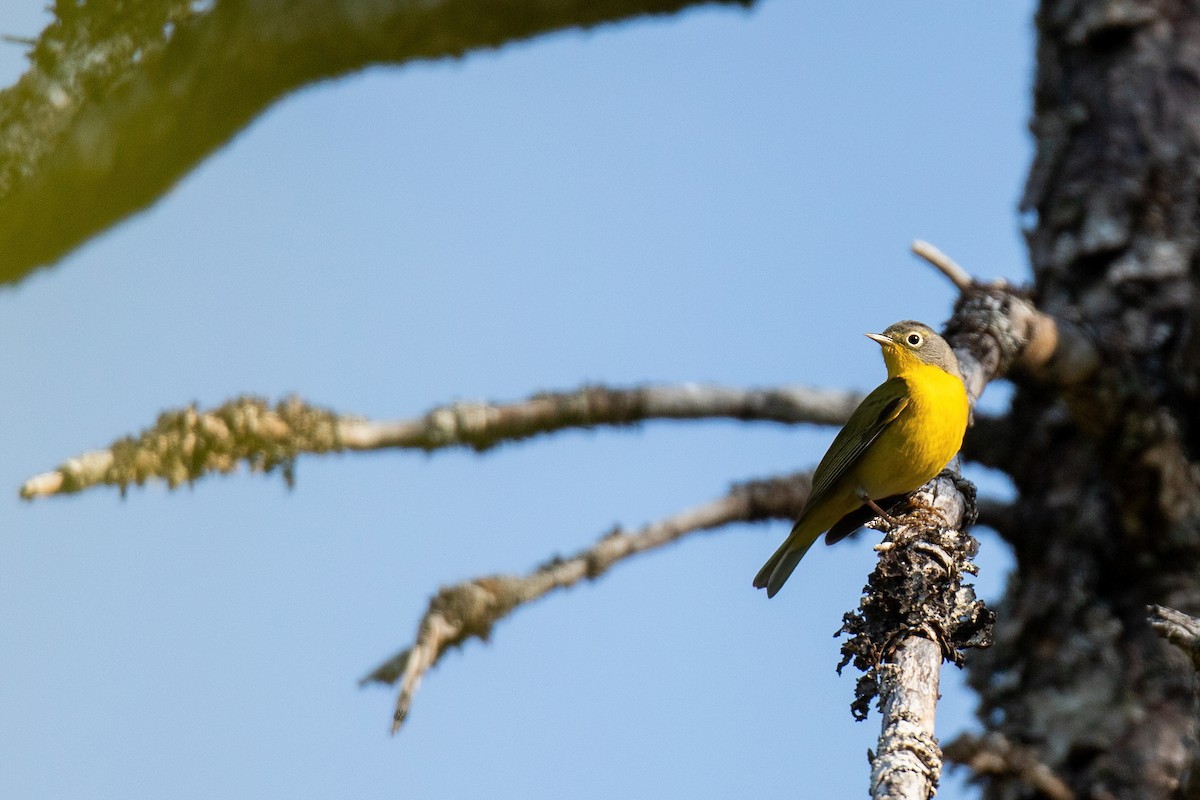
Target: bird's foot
[[924, 512]]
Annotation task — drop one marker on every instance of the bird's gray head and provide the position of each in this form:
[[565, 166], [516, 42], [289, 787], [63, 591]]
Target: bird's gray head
[[911, 339]]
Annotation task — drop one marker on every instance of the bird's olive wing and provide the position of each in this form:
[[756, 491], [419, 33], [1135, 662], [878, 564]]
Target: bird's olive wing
[[877, 410]]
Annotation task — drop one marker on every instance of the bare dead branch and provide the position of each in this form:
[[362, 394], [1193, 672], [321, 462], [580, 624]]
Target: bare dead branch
[[944, 264], [994, 754], [1049, 350], [470, 609], [1179, 629], [185, 445], [119, 104]]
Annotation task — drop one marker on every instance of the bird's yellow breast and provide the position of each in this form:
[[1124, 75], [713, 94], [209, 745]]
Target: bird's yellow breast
[[922, 439]]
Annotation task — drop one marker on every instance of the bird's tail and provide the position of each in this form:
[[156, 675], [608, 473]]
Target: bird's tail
[[775, 572]]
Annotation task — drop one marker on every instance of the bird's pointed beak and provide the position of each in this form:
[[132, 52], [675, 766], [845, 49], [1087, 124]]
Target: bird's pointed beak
[[879, 338]]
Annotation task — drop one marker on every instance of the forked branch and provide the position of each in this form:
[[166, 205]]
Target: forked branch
[[470, 609]]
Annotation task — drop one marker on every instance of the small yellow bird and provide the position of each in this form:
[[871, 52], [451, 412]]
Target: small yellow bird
[[901, 435]]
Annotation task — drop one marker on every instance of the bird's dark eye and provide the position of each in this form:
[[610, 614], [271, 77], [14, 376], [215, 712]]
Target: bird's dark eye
[[915, 339]]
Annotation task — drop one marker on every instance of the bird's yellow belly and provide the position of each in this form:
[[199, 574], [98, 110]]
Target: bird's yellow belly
[[919, 444]]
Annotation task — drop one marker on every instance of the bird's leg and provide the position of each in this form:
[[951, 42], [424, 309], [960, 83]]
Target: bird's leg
[[883, 514], [875, 507]]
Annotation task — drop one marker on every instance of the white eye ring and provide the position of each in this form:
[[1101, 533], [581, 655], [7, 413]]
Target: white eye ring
[[914, 339]]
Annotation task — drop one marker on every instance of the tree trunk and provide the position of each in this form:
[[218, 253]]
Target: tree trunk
[[1107, 473]]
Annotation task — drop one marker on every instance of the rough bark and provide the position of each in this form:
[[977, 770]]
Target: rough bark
[[1108, 516]]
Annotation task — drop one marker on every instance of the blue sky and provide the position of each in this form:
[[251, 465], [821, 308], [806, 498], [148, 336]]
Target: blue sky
[[721, 196]]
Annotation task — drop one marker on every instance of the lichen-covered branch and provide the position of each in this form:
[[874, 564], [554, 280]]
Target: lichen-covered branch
[[470, 609], [81, 56], [122, 99], [916, 610], [185, 445]]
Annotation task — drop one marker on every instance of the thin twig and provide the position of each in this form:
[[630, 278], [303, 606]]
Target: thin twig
[[944, 264], [470, 609], [1032, 342], [185, 445]]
